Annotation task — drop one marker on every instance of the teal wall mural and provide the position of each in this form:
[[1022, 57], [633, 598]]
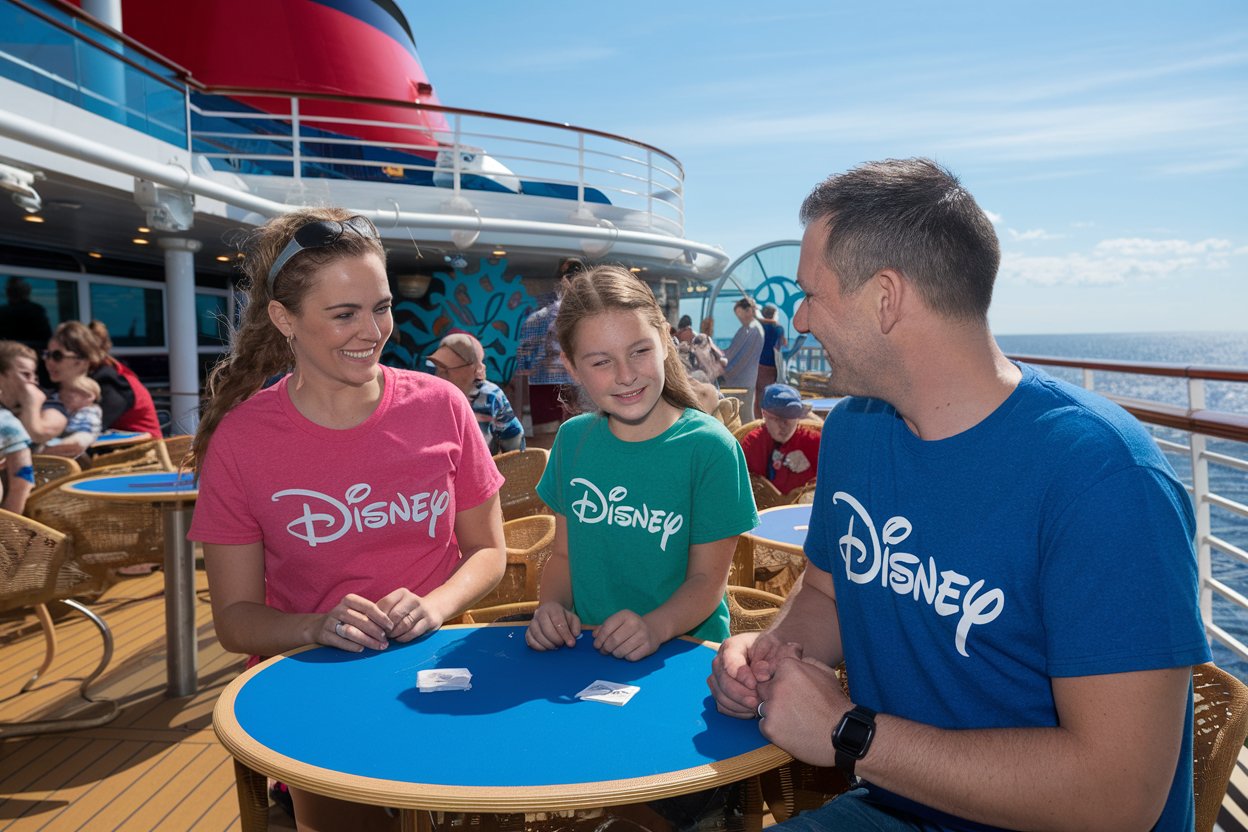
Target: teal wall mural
[[487, 303]]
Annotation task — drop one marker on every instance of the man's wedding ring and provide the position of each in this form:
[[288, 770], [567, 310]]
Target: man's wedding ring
[[759, 710]]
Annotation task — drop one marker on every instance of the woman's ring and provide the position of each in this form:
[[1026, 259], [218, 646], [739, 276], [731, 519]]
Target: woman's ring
[[759, 710], [338, 628]]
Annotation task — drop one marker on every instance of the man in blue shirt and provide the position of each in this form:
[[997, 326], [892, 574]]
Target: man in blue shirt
[[1003, 561]]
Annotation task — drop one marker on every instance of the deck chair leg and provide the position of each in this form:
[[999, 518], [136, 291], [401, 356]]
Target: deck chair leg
[[98, 712], [253, 798], [49, 638]]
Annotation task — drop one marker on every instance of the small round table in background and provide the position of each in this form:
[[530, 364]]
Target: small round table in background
[[175, 494]]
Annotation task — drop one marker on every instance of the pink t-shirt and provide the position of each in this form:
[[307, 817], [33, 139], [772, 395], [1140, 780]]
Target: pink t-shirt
[[363, 510]]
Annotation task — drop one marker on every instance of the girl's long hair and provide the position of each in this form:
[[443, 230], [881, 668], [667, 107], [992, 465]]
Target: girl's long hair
[[258, 349], [609, 288]]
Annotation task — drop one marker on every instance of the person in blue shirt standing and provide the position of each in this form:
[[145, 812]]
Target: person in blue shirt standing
[[768, 360], [1004, 561]]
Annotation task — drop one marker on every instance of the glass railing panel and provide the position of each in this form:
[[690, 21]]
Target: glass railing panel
[[46, 48]]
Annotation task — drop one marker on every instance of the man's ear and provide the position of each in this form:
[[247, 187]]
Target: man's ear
[[569, 366], [281, 318], [892, 294]]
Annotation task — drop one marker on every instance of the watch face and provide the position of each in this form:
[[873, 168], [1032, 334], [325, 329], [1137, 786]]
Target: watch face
[[853, 735]]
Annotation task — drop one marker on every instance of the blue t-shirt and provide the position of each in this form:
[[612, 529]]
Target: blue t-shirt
[[771, 336], [1052, 539]]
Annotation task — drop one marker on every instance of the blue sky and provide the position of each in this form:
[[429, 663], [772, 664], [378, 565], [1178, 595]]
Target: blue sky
[[1108, 140]]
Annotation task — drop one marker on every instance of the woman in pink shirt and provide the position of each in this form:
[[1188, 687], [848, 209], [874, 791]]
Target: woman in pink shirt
[[349, 504]]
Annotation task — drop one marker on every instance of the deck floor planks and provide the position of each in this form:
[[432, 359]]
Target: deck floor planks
[[157, 766]]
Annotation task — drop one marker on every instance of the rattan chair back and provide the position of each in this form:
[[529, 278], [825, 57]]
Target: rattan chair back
[[177, 448], [49, 467], [105, 535], [37, 568], [728, 411], [1219, 725], [521, 471], [529, 541], [144, 456]]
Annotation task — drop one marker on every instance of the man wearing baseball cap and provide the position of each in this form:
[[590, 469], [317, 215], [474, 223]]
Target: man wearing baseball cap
[[460, 359], [782, 449]]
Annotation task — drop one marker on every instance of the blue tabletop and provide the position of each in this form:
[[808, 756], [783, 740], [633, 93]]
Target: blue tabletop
[[136, 485], [120, 436], [784, 524], [520, 724]]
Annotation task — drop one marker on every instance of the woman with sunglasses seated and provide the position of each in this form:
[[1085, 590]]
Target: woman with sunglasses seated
[[350, 504], [73, 351]]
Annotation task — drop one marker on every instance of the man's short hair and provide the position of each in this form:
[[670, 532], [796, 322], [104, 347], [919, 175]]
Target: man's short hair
[[914, 216], [746, 302]]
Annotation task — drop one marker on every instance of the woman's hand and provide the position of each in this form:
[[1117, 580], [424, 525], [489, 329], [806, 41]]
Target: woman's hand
[[410, 615], [626, 635], [355, 623], [553, 626]]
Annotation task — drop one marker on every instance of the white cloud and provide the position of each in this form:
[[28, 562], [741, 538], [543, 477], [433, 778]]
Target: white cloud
[[1033, 234], [993, 217], [1136, 247], [1118, 262]]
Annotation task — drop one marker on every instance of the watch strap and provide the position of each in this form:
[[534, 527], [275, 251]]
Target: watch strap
[[845, 759]]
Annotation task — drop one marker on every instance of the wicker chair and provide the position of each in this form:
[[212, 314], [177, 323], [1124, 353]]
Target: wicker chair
[[529, 542], [49, 467], [765, 494], [521, 471], [751, 610], [38, 567], [519, 611], [741, 432], [177, 448], [1219, 726], [105, 535], [145, 456]]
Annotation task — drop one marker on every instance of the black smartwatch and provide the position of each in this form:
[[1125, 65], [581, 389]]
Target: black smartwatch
[[852, 738]]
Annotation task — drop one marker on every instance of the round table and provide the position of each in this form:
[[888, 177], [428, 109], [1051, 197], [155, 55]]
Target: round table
[[175, 494], [822, 405], [354, 726]]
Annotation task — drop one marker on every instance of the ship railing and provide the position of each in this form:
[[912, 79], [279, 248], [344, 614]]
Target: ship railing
[[57, 49], [457, 149], [1198, 417]]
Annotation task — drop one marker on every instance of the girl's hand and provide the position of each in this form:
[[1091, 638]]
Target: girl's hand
[[410, 615], [353, 624], [553, 626], [626, 635]]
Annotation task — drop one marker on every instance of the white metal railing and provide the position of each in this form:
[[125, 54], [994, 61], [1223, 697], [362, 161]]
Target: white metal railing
[[445, 147], [1194, 426]]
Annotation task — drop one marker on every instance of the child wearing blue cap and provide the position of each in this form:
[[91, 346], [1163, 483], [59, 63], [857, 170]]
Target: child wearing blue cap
[[782, 449]]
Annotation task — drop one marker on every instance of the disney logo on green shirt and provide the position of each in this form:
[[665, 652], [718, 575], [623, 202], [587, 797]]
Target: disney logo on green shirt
[[595, 507]]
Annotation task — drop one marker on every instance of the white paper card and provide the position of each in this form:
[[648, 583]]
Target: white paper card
[[613, 693], [443, 678]]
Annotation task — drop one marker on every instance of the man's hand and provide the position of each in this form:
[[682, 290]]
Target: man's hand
[[802, 703], [742, 663]]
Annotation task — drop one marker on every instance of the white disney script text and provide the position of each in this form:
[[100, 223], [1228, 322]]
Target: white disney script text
[[325, 519], [906, 575], [594, 507]]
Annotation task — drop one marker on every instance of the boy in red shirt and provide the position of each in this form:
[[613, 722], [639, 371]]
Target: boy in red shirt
[[782, 449]]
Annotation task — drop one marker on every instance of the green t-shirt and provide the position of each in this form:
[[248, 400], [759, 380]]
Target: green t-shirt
[[633, 509]]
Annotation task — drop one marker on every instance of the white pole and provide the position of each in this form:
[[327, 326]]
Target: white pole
[[183, 334]]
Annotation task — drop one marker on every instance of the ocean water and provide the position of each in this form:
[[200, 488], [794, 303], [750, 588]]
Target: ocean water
[[1197, 349]]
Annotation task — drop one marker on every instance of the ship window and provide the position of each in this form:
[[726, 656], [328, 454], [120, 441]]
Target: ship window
[[135, 316], [210, 315], [33, 306]]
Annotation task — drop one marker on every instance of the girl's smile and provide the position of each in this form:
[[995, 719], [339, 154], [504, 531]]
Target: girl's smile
[[618, 360]]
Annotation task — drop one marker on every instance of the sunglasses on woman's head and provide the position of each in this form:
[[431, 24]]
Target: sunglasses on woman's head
[[319, 234], [59, 355]]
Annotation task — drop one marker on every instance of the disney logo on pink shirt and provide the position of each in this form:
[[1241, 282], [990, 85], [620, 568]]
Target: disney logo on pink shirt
[[324, 519]]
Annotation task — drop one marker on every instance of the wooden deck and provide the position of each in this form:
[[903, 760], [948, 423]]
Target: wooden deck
[[157, 766]]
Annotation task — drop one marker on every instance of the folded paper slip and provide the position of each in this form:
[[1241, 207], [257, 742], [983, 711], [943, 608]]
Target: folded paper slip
[[613, 693], [443, 678]]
